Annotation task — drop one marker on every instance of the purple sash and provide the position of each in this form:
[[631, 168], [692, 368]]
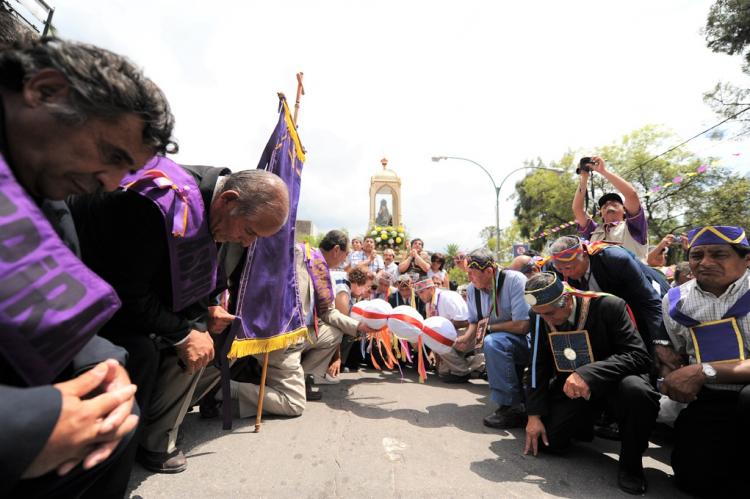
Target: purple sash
[[320, 276], [51, 304], [192, 251], [714, 341]]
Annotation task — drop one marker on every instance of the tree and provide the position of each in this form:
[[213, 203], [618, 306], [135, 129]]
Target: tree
[[546, 202], [727, 31], [545, 199], [451, 250], [728, 28]]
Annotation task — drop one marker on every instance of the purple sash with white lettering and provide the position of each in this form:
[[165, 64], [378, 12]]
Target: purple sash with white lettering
[[51, 304], [715, 341], [192, 251]]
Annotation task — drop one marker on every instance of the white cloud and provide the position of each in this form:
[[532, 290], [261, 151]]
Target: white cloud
[[497, 82]]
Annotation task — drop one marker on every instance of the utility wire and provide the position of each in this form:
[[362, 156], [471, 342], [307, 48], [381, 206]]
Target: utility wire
[[688, 140]]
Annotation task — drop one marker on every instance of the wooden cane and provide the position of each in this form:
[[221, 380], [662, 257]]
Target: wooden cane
[[261, 393]]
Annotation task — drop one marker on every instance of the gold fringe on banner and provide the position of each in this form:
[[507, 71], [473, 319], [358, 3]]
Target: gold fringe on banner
[[254, 346]]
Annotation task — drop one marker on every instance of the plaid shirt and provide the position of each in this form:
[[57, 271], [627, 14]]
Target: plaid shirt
[[704, 307]]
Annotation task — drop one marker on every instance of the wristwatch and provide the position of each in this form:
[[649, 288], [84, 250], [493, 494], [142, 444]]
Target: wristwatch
[[709, 371]]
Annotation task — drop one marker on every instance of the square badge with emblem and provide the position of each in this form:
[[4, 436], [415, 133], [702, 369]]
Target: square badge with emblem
[[571, 349], [718, 341]]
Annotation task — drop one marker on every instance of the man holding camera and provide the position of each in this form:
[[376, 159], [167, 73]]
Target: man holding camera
[[624, 222]]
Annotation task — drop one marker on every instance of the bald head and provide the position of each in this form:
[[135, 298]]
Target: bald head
[[250, 204], [525, 265], [259, 192]]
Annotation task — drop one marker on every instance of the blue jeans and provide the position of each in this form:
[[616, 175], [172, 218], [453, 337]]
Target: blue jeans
[[505, 355]]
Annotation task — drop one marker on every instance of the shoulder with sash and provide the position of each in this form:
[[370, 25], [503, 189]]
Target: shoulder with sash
[[51, 304], [719, 340], [192, 251], [499, 281], [320, 276]]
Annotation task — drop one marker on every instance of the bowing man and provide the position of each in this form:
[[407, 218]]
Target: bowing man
[[155, 241], [586, 355]]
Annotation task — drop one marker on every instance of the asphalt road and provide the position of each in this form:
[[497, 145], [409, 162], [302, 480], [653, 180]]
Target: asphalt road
[[376, 435]]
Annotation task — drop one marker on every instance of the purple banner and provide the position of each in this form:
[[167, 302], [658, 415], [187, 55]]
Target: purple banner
[[269, 311], [51, 304], [192, 251]]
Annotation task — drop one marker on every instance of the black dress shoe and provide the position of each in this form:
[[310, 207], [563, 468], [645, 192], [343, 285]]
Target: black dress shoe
[[632, 481], [162, 462], [506, 417], [209, 407], [455, 378], [310, 394]]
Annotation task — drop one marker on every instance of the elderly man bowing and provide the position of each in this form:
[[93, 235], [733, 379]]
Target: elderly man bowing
[[586, 354], [155, 242]]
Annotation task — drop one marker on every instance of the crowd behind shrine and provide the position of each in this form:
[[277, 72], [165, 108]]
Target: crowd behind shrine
[[589, 338]]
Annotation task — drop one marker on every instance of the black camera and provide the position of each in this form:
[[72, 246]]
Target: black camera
[[584, 165]]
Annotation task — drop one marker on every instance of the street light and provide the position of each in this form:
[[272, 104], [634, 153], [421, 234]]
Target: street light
[[497, 189]]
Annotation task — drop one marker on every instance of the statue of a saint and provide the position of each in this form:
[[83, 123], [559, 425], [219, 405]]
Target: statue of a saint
[[384, 216]]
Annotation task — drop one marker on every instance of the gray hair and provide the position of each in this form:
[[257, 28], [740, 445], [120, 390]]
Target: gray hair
[[102, 85], [563, 243], [259, 192], [482, 254]]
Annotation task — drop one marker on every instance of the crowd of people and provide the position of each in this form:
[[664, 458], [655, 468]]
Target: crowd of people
[[110, 323]]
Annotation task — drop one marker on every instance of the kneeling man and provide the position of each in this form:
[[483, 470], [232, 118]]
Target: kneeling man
[[707, 320], [586, 354]]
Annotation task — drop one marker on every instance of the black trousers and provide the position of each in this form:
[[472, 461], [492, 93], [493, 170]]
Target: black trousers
[[712, 445], [634, 402], [142, 367], [79, 482]]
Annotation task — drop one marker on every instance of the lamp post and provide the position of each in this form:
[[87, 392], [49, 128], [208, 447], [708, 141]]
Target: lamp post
[[497, 189]]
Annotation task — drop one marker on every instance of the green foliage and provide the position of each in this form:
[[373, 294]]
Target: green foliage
[[725, 204], [728, 31], [458, 275], [728, 28], [508, 237], [545, 199], [313, 240], [451, 250], [715, 196]]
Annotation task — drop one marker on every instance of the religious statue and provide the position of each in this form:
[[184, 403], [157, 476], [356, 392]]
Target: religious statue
[[384, 216]]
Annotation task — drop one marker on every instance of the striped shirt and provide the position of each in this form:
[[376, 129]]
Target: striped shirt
[[704, 307]]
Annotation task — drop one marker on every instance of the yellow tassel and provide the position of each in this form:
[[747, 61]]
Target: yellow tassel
[[243, 348]]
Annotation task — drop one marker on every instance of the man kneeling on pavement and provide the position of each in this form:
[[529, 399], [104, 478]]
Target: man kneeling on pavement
[[586, 355], [708, 324], [291, 370]]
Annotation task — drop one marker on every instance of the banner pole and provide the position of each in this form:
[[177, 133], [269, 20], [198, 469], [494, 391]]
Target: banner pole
[[300, 93], [262, 393]]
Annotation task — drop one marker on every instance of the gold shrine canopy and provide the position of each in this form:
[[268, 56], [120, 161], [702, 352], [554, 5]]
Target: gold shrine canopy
[[385, 197]]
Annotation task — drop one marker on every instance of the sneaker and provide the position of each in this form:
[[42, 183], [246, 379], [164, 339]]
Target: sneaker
[[506, 417], [632, 481], [455, 378], [327, 379], [162, 462]]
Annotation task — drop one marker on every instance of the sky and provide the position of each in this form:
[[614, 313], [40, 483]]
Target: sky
[[496, 82]]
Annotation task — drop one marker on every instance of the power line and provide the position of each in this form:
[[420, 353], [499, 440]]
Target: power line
[[688, 140]]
